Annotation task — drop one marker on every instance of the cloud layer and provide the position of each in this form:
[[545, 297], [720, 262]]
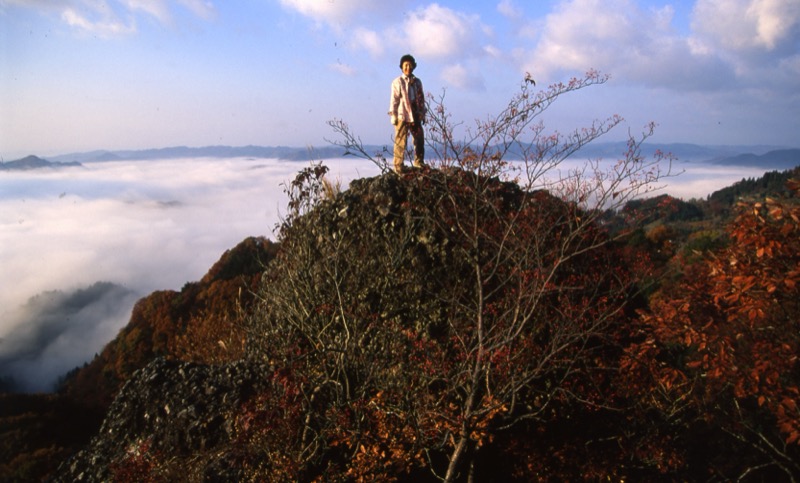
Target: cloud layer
[[144, 226], [56, 331]]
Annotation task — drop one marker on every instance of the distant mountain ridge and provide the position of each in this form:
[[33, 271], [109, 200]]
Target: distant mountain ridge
[[776, 159], [35, 162], [769, 157], [272, 152]]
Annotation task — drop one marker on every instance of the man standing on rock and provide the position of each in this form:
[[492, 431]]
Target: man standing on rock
[[407, 110]]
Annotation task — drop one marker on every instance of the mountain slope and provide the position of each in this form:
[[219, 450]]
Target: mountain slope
[[776, 159], [187, 325]]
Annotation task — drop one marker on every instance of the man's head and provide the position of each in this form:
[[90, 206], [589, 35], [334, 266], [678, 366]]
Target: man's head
[[407, 64]]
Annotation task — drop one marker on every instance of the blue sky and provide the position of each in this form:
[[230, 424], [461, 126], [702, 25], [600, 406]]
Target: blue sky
[[79, 75]]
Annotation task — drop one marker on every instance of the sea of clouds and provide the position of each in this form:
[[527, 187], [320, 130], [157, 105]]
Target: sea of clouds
[[141, 226]]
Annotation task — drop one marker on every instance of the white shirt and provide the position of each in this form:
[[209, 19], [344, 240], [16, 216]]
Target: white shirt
[[406, 92]]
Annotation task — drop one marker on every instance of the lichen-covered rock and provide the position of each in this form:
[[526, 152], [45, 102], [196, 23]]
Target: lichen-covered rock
[[167, 410]]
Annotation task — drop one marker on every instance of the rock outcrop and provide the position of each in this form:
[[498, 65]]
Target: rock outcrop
[[168, 410]]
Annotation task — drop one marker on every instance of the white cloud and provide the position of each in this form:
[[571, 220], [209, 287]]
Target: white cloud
[[56, 331], [111, 18], [581, 34], [432, 33], [368, 40], [509, 9], [462, 77], [523, 27], [343, 69], [202, 8], [620, 38], [439, 32], [765, 25], [335, 13], [700, 180], [353, 21], [107, 25], [758, 38], [493, 51], [152, 225], [156, 8]]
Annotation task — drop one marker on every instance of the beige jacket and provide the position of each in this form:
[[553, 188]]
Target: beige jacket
[[407, 102]]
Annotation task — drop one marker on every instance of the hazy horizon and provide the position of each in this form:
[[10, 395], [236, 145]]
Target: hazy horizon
[[732, 150]]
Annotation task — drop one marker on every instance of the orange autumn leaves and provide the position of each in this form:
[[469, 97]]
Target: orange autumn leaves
[[734, 320]]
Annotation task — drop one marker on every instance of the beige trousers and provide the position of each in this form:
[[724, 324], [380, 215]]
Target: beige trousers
[[401, 132]]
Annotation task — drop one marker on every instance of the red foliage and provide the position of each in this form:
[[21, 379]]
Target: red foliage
[[139, 465], [723, 343]]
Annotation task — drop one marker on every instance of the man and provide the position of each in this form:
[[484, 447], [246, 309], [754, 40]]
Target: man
[[407, 110]]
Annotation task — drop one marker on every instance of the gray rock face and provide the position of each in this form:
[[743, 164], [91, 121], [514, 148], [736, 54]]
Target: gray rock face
[[168, 408]]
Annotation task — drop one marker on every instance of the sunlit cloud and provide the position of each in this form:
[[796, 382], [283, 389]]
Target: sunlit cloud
[[765, 25], [620, 37], [759, 39], [368, 40], [431, 31], [749, 41], [440, 32], [358, 24]]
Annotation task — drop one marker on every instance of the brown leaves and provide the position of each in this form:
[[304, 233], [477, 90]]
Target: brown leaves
[[751, 346]]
